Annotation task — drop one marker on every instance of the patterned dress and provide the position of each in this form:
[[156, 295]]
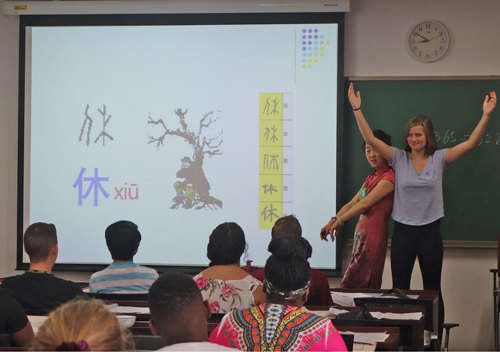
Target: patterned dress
[[224, 296], [273, 327], [370, 238]]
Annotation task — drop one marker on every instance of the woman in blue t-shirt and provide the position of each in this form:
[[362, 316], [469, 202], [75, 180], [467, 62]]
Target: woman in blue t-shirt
[[418, 195]]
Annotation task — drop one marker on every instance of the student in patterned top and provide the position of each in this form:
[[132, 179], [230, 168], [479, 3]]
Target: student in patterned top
[[281, 324], [225, 284], [123, 275]]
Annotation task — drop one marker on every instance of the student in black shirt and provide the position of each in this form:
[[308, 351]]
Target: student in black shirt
[[38, 291], [13, 321]]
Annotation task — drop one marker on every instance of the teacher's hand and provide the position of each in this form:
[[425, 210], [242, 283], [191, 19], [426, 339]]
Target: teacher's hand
[[354, 98], [489, 104], [332, 229]]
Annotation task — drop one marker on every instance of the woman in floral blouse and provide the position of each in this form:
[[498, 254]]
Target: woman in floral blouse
[[225, 284]]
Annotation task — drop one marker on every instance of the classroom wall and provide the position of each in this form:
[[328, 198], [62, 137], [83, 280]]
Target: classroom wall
[[375, 47], [375, 37]]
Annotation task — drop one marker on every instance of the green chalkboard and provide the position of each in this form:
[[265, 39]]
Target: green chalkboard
[[471, 185]]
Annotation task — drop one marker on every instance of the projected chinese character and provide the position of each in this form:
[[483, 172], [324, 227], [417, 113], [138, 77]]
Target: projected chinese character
[[275, 105], [88, 122], [105, 121], [269, 213], [274, 138], [266, 107], [95, 184], [271, 162], [270, 188]]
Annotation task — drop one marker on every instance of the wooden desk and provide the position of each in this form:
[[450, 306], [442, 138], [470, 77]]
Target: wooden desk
[[411, 332], [427, 298], [120, 298], [390, 344], [496, 306]]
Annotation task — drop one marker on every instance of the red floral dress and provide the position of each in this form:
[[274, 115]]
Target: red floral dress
[[224, 296], [370, 238]]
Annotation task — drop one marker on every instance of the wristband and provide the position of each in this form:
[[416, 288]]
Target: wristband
[[357, 109], [339, 220], [334, 218]]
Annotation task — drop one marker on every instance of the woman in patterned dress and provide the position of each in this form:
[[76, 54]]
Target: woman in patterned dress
[[225, 284], [281, 324], [374, 203]]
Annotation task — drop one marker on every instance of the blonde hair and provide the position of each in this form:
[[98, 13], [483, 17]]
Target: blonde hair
[[426, 123], [83, 319]]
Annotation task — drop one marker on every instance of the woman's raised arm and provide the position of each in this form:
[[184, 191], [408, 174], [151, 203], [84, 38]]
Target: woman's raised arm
[[366, 131], [458, 151]]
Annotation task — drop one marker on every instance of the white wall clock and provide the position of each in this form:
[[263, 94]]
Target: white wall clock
[[428, 41]]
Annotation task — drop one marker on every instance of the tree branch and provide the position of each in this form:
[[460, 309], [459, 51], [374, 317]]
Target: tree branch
[[159, 141], [182, 118]]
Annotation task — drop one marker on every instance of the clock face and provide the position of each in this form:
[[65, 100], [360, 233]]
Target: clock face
[[428, 41]]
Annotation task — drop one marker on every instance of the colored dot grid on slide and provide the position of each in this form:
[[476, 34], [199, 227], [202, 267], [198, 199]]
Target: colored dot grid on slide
[[313, 47]]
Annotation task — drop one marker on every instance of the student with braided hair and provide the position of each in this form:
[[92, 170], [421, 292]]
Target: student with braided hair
[[281, 324]]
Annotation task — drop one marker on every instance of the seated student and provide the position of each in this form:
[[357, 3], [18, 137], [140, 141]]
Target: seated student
[[82, 325], [37, 290], [281, 324], [319, 292], [179, 314], [13, 321], [225, 284], [123, 275]]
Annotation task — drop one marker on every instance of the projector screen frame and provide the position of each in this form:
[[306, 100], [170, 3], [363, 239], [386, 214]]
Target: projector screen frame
[[173, 19]]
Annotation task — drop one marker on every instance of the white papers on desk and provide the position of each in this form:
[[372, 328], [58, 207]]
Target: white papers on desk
[[117, 309], [321, 313], [363, 347], [380, 315], [368, 337], [336, 311], [379, 295], [346, 299], [397, 316], [36, 321]]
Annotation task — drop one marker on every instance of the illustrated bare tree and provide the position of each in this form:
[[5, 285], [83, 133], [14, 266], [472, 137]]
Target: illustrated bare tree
[[194, 191]]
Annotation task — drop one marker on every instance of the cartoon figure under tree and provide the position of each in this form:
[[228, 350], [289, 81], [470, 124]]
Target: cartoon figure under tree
[[194, 191]]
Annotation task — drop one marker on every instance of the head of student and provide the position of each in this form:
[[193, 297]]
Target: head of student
[[123, 239], [82, 325], [226, 244], [287, 271], [178, 312], [286, 225], [419, 134], [40, 242], [374, 158]]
